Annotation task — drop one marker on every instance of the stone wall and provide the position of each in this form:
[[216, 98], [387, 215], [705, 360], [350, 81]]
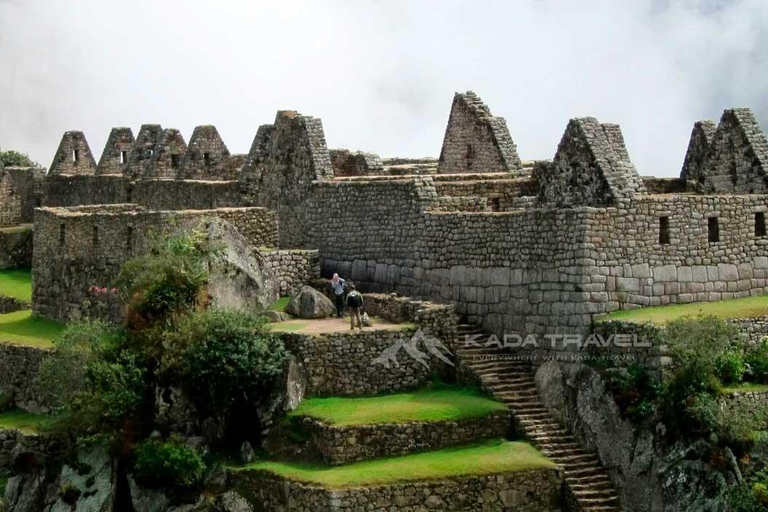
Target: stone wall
[[14, 443], [19, 194], [143, 151], [207, 157], [16, 247], [19, 366], [345, 444], [86, 190], [475, 140], [168, 156], [293, 268], [73, 157], [694, 166], [117, 151], [346, 163], [78, 248], [523, 491]]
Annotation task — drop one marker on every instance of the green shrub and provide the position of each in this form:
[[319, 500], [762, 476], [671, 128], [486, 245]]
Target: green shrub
[[635, 391], [730, 367], [62, 374], [168, 464], [756, 361], [230, 358]]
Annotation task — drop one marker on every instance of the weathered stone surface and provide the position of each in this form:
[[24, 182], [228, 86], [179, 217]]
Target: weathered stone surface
[[96, 487], [74, 156], [310, 303]]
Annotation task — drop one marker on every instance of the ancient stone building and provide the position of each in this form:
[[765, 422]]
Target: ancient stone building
[[143, 151], [74, 157], [732, 160], [207, 157], [346, 163], [591, 167], [476, 141], [168, 155], [114, 158]]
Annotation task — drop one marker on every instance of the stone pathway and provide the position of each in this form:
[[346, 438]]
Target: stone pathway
[[512, 381]]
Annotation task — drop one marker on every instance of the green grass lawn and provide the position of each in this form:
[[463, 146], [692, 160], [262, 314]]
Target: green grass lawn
[[17, 284], [478, 459], [23, 421], [749, 307], [746, 387], [289, 326], [24, 329], [280, 304], [443, 404]]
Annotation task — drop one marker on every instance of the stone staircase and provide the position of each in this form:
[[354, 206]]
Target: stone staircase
[[512, 381]]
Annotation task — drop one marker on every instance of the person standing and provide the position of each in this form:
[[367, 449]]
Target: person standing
[[337, 284], [355, 304]]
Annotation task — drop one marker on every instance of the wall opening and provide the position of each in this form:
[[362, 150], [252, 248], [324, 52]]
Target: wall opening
[[713, 229], [62, 234], [663, 230], [129, 194], [129, 240], [494, 203], [207, 159], [75, 155], [95, 237], [470, 156], [760, 224], [175, 159], [123, 157]]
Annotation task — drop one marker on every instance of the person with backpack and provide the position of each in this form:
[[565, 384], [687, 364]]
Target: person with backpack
[[355, 304], [337, 285]]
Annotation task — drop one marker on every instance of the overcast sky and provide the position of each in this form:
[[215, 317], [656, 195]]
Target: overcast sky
[[380, 74]]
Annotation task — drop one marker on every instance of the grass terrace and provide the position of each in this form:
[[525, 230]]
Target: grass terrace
[[16, 419], [486, 458], [16, 284], [442, 404], [22, 328], [746, 387], [749, 307]]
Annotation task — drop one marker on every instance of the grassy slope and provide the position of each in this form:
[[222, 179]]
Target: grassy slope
[[745, 387], [22, 420], [24, 329], [749, 307], [17, 284], [479, 459], [426, 405], [280, 304]]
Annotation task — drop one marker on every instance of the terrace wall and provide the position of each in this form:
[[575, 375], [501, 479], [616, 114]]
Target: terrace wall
[[16, 247], [524, 491], [19, 366]]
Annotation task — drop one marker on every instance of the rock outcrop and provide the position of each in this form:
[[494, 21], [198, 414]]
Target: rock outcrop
[[310, 303]]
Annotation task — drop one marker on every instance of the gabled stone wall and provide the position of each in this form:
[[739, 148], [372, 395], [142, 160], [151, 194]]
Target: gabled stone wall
[[74, 156], [207, 157], [168, 155], [694, 166], [117, 152], [143, 151], [475, 140]]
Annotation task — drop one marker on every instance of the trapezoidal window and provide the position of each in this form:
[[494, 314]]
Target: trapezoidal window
[[76, 155], [175, 159], [129, 240], [470, 156], [713, 229], [129, 194], [663, 230], [207, 159], [759, 224], [123, 157], [95, 237], [62, 234]]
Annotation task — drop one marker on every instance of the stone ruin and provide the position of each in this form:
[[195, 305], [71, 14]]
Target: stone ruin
[[536, 247]]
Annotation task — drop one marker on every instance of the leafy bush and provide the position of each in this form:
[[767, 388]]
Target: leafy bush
[[169, 280], [730, 367], [62, 374], [230, 358], [13, 158], [635, 391], [168, 464], [756, 361]]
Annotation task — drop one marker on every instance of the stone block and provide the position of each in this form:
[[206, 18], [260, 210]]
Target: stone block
[[666, 273]]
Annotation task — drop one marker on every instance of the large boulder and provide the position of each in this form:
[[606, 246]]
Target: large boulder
[[310, 303], [90, 487], [238, 280]]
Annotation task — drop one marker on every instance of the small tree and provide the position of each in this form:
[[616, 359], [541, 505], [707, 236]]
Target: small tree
[[12, 158]]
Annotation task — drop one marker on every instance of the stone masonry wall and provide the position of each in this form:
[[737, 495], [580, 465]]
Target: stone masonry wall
[[345, 444], [73, 156], [207, 156], [78, 248], [523, 491], [114, 159], [19, 366], [346, 163], [16, 247], [19, 194], [476, 141], [293, 268]]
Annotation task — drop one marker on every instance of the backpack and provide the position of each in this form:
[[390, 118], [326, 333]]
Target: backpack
[[354, 300]]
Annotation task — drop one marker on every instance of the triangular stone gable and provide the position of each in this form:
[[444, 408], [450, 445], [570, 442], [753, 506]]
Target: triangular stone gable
[[737, 158], [74, 157], [284, 161], [591, 167], [143, 150], [168, 156], [114, 159], [207, 156], [693, 172], [476, 141]]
